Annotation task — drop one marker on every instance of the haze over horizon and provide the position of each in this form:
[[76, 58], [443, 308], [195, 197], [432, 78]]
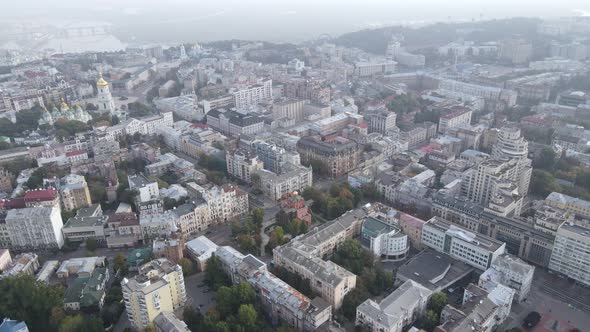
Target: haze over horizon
[[184, 20]]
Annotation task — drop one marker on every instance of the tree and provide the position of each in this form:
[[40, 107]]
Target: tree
[[429, 321], [91, 244], [532, 319], [215, 276], [24, 298], [437, 302], [258, 215], [546, 159], [187, 266], [543, 183], [120, 263], [247, 317], [79, 323], [192, 318]]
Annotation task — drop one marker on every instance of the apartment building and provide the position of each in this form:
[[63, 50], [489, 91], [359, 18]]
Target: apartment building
[[303, 255], [252, 95], [294, 178], [158, 287], [241, 164], [396, 311], [25, 263], [74, 192], [147, 190], [274, 157], [281, 301], [509, 271], [457, 117], [473, 249], [370, 68], [571, 252], [336, 156], [37, 227]]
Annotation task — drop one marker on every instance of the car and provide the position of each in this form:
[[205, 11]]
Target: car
[[208, 232]]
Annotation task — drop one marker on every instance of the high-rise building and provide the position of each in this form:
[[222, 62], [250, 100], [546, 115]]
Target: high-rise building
[[159, 287], [38, 227], [335, 156], [571, 252], [252, 95], [106, 103], [511, 145]]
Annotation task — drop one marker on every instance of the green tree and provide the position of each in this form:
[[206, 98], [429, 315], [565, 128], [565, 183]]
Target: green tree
[[91, 244], [24, 298], [247, 317], [546, 159], [429, 321], [187, 266], [437, 302], [120, 263], [215, 276], [79, 323], [543, 183]]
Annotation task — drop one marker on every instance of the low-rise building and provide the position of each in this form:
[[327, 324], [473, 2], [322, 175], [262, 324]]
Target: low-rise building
[[575, 205], [509, 271], [168, 322], [25, 263], [82, 267], [200, 250], [395, 312], [74, 192], [89, 223], [87, 293]]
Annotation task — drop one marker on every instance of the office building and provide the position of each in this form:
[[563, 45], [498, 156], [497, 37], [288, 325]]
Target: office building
[[395, 312], [35, 228], [385, 240], [88, 223], [571, 253], [274, 157], [232, 123], [159, 287], [476, 250], [200, 250]]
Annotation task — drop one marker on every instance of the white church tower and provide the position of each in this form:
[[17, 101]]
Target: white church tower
[[105, 99]]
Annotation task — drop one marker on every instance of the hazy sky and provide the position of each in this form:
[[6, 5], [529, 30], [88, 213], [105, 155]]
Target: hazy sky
[[276, 19]]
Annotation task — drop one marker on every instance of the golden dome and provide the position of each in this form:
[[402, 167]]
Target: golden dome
[[101, 82], [64, 105]]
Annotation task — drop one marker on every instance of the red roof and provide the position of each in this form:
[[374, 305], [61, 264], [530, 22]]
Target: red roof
[[13, 203], [40, 195], [75, 153]]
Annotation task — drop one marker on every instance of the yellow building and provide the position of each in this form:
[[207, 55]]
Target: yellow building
[[159, 287]]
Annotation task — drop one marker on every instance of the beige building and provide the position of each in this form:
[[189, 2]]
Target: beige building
[[74, 192], [303, 255], [242, 165], [569, 203], [292, 109], [159, 287], [5, 259]]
